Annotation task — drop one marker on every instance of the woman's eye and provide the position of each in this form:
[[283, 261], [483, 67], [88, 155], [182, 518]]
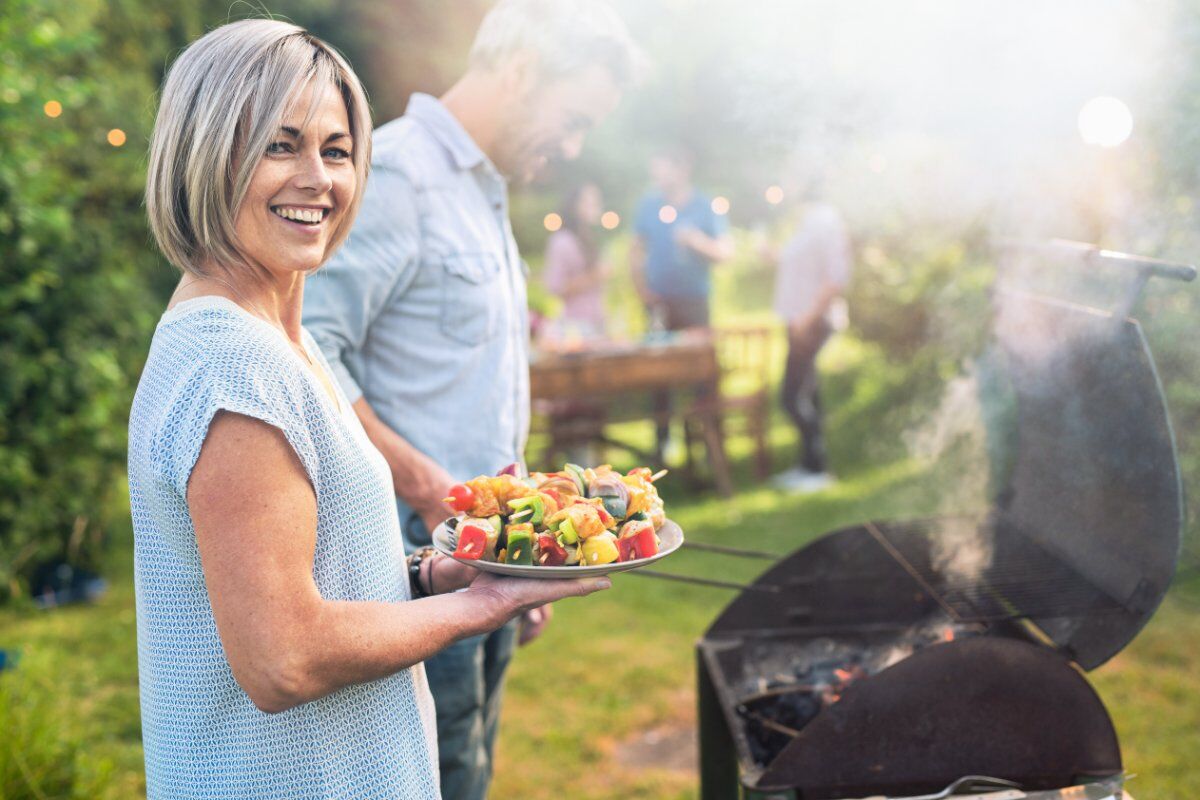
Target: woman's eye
[[337, 154], [278, 148]]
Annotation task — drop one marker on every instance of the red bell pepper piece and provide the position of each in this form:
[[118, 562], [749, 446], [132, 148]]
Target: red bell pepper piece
[[606, 518], [552, 554], [472, 541], [642, 544]]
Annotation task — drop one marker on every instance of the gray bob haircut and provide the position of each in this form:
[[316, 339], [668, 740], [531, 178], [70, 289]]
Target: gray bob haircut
[[221, 106], [566, 35]]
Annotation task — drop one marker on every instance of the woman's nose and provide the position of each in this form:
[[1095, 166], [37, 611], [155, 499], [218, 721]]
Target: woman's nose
[[313, 176]]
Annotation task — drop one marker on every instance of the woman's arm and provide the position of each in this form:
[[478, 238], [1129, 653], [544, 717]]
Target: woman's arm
[[255, 515]]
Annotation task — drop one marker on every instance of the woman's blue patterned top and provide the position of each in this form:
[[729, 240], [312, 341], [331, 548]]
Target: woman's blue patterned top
[[203, 736]]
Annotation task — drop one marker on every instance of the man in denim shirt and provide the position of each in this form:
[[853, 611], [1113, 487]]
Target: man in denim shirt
[[423, 313]]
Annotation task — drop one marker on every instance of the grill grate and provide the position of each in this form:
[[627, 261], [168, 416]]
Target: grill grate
[[1009, 577]]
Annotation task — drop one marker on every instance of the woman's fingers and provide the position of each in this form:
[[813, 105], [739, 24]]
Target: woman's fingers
[[524, 593]]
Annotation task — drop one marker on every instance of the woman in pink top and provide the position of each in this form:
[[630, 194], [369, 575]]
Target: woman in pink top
[[573, 269]]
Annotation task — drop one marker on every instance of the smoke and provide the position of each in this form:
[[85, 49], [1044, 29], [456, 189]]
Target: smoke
[[953, 442], [928, 111]]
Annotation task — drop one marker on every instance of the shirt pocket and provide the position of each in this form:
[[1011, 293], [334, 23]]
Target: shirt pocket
[[471, 297]]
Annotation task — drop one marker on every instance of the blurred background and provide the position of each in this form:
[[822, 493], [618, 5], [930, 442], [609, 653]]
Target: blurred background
[[937, 128]]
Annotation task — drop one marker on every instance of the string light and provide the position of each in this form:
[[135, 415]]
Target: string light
[[609, 220], [52, 108], [552, 222], [720, 205], [668, 214], [116, 137], [774, 195]]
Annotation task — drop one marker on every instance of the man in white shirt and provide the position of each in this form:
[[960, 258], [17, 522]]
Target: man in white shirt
[[814, 268]]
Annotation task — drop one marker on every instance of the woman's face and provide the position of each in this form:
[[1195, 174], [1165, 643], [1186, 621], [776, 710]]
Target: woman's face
[[590, 204], [301, 188]]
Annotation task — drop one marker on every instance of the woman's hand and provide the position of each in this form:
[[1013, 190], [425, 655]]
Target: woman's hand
[[507, 597]]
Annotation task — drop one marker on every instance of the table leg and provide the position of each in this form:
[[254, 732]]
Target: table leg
[[714, 442]]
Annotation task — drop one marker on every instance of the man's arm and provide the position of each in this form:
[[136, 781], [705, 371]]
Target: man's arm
[[416, 478], [378, 261], [713, 249]]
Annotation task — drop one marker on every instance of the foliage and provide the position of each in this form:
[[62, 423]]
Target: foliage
[[76, 303]]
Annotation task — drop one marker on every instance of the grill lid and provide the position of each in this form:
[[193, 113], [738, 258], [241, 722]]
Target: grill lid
[[1094, 485]]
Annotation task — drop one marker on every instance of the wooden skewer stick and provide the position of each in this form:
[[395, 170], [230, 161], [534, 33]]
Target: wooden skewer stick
[[658, 475], [524, 512]]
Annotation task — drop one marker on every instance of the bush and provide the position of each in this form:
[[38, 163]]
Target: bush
[[77, 303]]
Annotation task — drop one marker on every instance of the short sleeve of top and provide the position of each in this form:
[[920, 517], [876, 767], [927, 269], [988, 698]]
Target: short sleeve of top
[[237, 377]]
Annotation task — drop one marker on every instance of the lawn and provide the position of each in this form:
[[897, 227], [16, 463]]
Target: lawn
[[602, 706], [598, 706]]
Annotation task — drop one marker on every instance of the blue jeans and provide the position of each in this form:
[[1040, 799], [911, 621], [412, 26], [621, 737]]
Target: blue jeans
[[467, 680]]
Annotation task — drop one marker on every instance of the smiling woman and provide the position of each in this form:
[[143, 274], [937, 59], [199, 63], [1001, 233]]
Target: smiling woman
[[280, 642]]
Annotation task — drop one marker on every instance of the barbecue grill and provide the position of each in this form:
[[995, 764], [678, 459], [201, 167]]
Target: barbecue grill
[[868, 664]]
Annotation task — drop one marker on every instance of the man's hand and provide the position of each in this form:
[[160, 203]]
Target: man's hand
[[533, 622], [427, 494]]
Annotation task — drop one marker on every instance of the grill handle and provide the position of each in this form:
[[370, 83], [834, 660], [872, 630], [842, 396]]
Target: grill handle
[[1150, 267]]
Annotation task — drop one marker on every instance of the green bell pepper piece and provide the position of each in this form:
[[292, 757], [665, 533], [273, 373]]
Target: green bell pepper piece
[[520, 548], [534, 502], [567, 532]]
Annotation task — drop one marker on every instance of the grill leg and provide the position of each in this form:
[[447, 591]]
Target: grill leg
[[718, 758]]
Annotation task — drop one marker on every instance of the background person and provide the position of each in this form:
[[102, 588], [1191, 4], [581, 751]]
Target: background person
[[813, 272], [574, 271], [279, 645], [678, 240], [423, 314]]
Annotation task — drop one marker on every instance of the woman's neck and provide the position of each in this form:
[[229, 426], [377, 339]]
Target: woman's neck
[[278, 301]]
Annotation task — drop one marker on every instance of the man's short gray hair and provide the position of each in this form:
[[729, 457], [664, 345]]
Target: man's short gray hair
[[221, 105], [566, 35]]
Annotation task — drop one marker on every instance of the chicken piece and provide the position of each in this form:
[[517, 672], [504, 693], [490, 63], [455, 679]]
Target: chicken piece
[[486, 503], [508, 487]]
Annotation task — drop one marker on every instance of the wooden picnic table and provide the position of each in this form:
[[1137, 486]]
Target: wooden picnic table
[[685, 363]]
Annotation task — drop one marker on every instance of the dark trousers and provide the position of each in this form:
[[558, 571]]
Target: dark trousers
[[467, 683], [678, 313], [801, 394]]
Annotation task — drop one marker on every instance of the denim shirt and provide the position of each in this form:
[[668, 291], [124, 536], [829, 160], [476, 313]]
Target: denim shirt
[[423, 310]]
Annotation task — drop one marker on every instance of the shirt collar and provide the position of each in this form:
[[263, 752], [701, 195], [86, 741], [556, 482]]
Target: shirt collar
[[429, 111]]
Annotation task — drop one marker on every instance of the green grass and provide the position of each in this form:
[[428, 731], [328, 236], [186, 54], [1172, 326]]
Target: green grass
[[608, 668]]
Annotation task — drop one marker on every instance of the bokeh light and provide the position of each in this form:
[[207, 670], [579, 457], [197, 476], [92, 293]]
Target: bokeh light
[[774, 195], [667, 214], [720, 205], [52, 108], [552, 222], [609, 220], [116, 137], [1105, 121]]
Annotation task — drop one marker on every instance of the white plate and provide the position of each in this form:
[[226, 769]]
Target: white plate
[[670, 538]]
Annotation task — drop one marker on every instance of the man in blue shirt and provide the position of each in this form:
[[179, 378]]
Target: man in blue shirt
[[679, 238], [423, 313]]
